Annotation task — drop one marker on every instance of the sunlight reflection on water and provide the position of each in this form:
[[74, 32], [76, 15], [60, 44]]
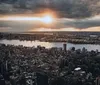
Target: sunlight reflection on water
[[89, 47]]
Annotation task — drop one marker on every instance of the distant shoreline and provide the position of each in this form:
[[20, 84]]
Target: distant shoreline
[[72, 42], [70, 37]]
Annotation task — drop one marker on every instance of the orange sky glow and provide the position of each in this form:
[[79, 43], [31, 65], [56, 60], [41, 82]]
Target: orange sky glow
[[47, 18]]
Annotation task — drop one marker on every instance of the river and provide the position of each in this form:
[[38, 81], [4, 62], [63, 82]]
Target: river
[[89, 47]]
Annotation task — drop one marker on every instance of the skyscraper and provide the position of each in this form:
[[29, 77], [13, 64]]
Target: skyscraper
[[97, 82], [65, 47], [42, 79]]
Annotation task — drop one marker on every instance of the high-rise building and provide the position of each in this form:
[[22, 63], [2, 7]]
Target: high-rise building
[[2, 81], [97, 82], [42, 79], [65, 47]]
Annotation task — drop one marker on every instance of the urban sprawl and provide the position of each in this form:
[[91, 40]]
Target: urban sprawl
[[20, 65]]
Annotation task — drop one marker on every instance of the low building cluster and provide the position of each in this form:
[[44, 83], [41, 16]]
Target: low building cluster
[[21, 65]]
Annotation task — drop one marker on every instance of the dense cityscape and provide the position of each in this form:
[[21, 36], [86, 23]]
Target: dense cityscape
[[49, 42], [20, 65]]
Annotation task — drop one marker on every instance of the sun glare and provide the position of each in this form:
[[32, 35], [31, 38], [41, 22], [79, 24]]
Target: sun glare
[[47, 19]]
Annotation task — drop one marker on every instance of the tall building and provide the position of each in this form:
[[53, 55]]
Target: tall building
[[65, 47], [97, 82], [42, 79], [2, 81]]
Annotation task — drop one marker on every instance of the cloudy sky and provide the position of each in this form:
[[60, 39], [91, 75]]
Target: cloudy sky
[[69, 15]]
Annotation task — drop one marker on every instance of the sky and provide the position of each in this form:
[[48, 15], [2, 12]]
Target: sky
[[67, 15]]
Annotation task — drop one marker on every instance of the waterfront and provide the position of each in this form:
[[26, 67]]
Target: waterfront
[[25, 43]]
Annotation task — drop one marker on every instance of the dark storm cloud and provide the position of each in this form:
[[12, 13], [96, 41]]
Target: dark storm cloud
[[79, 23], [64, 8]]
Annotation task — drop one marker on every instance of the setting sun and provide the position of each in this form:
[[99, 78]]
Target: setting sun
[[47, 19]]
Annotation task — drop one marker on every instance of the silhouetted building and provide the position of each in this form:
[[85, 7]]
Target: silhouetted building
[[2, 81], [42, 79], [65, 47], [97, 81]]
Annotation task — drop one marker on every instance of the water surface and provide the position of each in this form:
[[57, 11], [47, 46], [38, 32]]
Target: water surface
[[89, 47]]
